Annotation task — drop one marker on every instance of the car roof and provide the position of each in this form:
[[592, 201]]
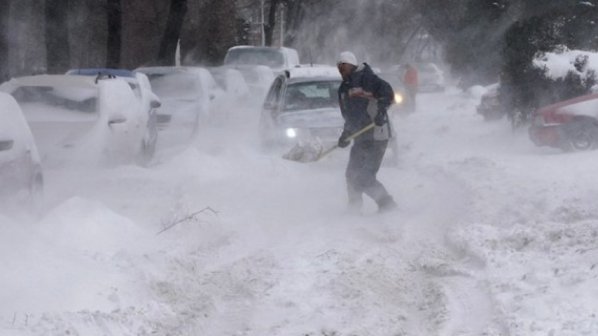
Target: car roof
[[313, 79], [52, 80], [307, 71], [260, 47], [102, 71], [567, 102], [168, 69]]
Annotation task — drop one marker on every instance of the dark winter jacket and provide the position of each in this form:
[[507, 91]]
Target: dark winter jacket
[[359, 112]]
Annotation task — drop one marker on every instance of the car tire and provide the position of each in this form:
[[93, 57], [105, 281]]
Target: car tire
[[581, 134]]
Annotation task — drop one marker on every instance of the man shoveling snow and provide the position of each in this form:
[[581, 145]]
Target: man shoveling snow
[[364, 98]]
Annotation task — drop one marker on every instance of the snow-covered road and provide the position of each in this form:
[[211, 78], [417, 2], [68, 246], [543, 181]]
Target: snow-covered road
[[492, 237]]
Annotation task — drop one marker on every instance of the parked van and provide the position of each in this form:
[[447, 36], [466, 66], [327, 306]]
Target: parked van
[[277, 59]]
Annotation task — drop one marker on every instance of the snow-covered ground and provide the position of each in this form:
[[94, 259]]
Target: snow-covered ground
[[493, 237]]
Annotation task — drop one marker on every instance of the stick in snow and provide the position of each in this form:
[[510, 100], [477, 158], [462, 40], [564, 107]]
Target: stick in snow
[[191, 216]]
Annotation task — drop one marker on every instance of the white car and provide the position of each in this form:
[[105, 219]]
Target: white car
[[431, 78], [260, 65], [85, 119], [277, 59], [20, 167], [189, 95], [232, 82], [302, 106]]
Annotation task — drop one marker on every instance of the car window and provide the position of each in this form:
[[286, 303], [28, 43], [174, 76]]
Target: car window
[[175, 85], [72, 99], [311, 95]]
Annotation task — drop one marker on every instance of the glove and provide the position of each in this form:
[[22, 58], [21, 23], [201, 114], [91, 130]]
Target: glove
[[342, 141], [381, 118]]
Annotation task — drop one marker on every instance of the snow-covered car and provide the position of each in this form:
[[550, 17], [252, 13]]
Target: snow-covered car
[[489, 106], [302, 105], [569, 125], [150, 102], [277, 59], [430, 77], [259, 65], [189, 95], [83, 119], [232, 82], [20, 167]]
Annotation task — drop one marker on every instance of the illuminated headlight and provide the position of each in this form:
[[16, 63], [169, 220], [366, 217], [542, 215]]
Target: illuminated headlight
[[398, 98], [291, 132]]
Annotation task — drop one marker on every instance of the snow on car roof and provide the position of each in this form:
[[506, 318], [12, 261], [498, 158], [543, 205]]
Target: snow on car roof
[[66, 81], [259, 47], [103, 71], [313, 71], [163, 70]]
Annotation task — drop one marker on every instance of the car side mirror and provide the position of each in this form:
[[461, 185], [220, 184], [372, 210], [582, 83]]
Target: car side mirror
[[155, 104], [6, 144]]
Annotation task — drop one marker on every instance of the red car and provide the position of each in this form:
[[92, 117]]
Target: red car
[[569, 125]]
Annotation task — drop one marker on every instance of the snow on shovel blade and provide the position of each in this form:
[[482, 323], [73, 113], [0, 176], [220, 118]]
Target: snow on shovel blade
[[305, 151]]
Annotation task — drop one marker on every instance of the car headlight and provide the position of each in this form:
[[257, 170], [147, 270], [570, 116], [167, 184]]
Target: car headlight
[[291, 133], [398, 98]]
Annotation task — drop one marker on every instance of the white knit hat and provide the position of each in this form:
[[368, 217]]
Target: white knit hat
[[347, 57]]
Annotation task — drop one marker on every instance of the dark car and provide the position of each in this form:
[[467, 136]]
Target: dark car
[[571, 125], [490, 107]]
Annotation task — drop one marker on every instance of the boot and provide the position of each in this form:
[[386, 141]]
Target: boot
[[387, 204], [355, 201]]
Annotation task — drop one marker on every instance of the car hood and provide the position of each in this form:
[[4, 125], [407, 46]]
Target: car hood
[[316, 118]]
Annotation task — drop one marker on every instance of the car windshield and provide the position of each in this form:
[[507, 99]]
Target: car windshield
[[249, 56], [311, 95], [175, 85]]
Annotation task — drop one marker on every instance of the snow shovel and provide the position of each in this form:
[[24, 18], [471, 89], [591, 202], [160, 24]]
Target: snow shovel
[[314, 152]]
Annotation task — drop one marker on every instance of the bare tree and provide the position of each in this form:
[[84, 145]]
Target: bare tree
[[4, 15], [113, 46], [172, 33], [210, 29], [269, 26], [57, 36]]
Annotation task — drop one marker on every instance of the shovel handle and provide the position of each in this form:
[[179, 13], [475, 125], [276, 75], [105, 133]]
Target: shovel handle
[[350, 137], [361, 131]]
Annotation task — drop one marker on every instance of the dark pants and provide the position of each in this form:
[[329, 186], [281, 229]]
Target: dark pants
[[364, 162]]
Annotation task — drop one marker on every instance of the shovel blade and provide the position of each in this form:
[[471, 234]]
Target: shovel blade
[[304, 152]]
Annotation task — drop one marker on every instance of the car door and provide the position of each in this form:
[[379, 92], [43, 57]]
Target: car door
[[19, 159]]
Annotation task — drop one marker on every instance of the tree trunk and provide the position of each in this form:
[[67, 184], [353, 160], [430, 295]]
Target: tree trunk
[[58, 55], [172, 33], [269, 27], [113, 47], [4, 15]]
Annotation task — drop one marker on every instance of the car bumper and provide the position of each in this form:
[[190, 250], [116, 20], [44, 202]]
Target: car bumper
[[490, 112], [290, 136], [548, 135]]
